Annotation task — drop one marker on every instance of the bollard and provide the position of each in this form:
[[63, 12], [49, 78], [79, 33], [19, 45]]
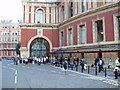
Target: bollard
[[116, 74], [72, 67], [81, 69], [68, 66], [76, 68], [95, 70], [88, 69], [105, 72], [61, 65]]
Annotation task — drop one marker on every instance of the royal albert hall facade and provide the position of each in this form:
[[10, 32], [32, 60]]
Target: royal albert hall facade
[[71, 28]]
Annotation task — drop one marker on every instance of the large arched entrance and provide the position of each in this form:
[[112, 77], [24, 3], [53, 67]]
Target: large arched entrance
[[39, 47]]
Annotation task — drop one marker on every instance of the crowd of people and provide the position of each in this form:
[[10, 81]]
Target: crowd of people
[[31, 60], [67, 62]]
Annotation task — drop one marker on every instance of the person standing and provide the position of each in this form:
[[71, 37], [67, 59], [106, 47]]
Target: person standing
[[65, 63], [110, 63], [77, 60], [82, 63], [39, 61], [15, 60], [117, 61], [85, 63], [26, 60]]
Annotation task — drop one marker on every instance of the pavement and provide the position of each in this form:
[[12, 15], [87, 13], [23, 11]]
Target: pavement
[[92, 71], [49, 76]]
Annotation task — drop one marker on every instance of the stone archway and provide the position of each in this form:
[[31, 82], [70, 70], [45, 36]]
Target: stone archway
[[32, 40], [39, 47]]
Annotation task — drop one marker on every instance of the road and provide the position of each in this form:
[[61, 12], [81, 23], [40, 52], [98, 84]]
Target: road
[[48, 76]]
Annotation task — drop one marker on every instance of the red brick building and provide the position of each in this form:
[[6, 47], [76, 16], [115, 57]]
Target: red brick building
[[71, 28]]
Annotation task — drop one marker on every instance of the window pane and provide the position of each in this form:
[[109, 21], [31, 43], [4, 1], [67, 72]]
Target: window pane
[[82, 34], [99, 30], [40, 16], [70, 36]]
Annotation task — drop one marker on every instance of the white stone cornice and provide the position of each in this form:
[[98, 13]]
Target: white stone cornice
[[92, 44]]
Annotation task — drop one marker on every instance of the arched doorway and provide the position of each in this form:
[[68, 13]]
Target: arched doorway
[[39, 47]]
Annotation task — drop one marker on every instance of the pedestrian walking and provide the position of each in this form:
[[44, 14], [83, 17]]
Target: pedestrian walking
[[39, 61], [77, 60], [65, 63], [100, 64], [110, 63], [15, 60], [26, 60], [96, 62], [83, 64], [117, 61]]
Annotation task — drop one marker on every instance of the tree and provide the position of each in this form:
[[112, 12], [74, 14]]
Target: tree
[[17, 48]]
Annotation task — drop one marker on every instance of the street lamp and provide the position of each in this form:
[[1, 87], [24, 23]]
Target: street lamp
[[100, 53]]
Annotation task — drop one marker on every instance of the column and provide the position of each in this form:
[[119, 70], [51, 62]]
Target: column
[[66, 10], [26, 14], [47, 14], [32, 14], [57, 15], [75, 8], [52, 14]]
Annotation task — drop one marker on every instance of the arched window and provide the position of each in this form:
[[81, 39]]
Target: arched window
[[40, 16]]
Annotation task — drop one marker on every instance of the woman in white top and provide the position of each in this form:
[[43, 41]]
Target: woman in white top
[[117, 61]]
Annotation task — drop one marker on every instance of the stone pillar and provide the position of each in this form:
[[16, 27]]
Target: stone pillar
[[75, 8], [94, 31], [26, 14], [32, 14], [57, 15], [116, 28], [94, 3], [24, 52], [89, 3], [66, 10], [47, 14], [53, 14], [80, 6]]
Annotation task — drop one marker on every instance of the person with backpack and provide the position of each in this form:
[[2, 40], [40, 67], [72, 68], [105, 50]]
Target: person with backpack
[[83, 63]]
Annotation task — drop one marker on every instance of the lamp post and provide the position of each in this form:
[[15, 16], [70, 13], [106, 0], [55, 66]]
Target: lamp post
[[100, 53]]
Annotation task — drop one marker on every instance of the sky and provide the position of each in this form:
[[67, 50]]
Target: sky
[[10, 9]]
